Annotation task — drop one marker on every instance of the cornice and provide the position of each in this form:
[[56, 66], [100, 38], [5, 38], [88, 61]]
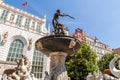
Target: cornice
[[22, 12]]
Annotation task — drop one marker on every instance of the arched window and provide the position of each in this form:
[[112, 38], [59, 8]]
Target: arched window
[[15, 50], [37, 64]]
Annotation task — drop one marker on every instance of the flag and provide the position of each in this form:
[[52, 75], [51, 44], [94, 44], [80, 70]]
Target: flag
[[25, 3]]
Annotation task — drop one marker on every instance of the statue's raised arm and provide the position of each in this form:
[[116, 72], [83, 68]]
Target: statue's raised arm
[[68, 16]]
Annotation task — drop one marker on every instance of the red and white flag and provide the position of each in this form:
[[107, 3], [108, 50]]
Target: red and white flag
[[25, 3]]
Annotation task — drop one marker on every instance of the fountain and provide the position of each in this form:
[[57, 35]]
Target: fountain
[[58, 47]]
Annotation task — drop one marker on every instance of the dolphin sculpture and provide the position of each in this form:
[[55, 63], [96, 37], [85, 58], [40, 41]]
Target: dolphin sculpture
[[113, 69]]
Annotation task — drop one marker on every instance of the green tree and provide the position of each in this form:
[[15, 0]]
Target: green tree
[[82, 63], [104, 62]]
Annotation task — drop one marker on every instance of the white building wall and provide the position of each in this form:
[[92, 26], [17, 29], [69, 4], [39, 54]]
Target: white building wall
[[8, 17], [18, 32], [96, 46], [15, 33], [1, 1]]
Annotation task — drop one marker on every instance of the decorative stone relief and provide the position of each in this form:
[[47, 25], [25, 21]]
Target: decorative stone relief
[[11, 18], [39, 45], [72, 44], [21, 72], [57, 66], [30, 44], [47, 76], [4, 40]]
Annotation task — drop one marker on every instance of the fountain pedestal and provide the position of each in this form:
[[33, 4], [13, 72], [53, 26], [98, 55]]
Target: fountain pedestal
[[57, 66], [58, 47]]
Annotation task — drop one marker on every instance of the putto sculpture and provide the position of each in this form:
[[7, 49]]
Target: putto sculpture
[[4, 40], [21, 72], [30, 44]]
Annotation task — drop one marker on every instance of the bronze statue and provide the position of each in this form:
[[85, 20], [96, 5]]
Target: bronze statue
[[58, 26]]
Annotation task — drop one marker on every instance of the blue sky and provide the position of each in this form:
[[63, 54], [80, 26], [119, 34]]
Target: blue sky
[[100, 18]]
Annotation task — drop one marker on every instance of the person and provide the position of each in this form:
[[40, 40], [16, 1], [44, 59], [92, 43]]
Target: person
[[55, 22], [47, 77]]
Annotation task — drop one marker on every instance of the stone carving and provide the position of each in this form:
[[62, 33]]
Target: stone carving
[[57, 66], [90, 77], [72, 44], [5, 36], [95, 76], [114, 71], [30, 44], [21, 72], [11, 18], [47, 76], [39, 46], [57, 47]]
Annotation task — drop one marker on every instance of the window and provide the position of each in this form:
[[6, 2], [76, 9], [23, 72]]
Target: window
[[27, 23], [38, 29], [19, 19], [15, 50], [4, 14], [33, 26], [37, 64]]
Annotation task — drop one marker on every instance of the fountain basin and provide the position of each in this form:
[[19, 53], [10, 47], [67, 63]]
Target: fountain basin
[[57, 43]]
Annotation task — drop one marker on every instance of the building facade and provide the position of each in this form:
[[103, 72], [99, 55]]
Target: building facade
[[19, 31], [98, 47], [117, 50]]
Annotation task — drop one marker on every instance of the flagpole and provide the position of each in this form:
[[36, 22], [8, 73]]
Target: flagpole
[[23, 7], [26, 6]]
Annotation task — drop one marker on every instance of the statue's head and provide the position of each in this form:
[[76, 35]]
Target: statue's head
[[58, 10]]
